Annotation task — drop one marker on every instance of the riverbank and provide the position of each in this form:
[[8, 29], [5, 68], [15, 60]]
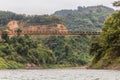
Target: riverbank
[[55, 66], [14, 65]]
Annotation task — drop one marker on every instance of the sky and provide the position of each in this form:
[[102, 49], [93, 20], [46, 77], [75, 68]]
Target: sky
[[48, 6]]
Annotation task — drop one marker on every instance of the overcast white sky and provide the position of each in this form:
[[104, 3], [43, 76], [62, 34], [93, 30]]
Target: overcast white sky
[[47, 6]]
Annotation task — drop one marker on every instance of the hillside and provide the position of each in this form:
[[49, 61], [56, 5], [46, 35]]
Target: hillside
[[14, 25], [82, 19], [51, 50], [20, 51], [28, 20], [106, 48], [85, 18], [45, 23]]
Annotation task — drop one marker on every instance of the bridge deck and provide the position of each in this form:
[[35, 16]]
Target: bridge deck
[[51, 33]]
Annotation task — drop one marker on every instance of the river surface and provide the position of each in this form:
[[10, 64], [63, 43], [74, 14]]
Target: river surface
[[60, 74]]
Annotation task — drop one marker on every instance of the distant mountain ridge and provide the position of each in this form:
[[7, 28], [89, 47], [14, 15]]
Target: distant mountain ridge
[[81, 10], [82, 19], [85, 18], [12, 21]]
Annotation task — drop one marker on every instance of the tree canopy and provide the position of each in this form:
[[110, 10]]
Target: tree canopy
[[107, 50], [85, 18], [116, 3], [6, 16]]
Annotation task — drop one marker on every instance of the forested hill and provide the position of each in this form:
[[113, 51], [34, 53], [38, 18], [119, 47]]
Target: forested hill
[[53, 51], [7, 16], [85, 18]]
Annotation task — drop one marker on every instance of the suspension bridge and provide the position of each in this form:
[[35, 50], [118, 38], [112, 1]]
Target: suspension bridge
[[50, 32]]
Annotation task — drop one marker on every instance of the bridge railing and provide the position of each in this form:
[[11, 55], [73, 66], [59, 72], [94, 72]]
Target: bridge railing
[[50, 33]]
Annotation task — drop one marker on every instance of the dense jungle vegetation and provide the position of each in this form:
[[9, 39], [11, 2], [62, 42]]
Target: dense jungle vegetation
[[6, 16], [85, 18], [54, 50], [17, 51], [106, 48]]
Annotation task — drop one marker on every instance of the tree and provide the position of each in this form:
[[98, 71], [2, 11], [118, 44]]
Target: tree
[[66, 50], [5, 36], [116, 3], [109, 42], [111, 30], [18, 32]]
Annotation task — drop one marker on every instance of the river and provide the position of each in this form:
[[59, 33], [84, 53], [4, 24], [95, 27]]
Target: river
[[60, 74]]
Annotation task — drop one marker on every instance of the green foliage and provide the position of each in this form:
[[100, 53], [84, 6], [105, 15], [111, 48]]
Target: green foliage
[[6, 17], [55, 50], [85, 18], [116, 3], [14, 65], [69, 49], [59, 50], [5, 37], [41, 20], [4, 64], [108, 44], [20, 50]]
